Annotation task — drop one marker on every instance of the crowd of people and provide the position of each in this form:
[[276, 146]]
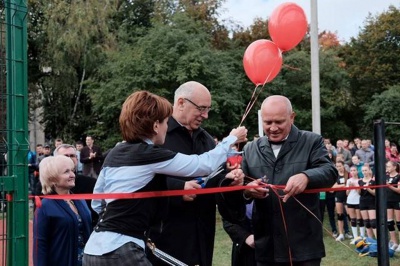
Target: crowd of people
[[164, 147], [355, 164]]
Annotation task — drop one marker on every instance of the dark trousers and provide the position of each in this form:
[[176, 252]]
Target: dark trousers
[[330, 207], [33, 180], [127, 255], [316, 262], [345, 221]]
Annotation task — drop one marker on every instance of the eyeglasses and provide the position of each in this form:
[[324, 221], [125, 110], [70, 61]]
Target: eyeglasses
[[70, 155], [202, 109]]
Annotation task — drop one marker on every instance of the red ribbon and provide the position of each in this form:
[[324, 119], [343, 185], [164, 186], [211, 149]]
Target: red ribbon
[[168, 193]]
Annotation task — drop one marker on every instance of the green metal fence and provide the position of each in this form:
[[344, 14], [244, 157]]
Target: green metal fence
[[14, 210]]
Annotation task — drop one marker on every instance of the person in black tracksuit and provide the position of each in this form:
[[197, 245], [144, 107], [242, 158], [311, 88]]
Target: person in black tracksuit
[[241, 233]]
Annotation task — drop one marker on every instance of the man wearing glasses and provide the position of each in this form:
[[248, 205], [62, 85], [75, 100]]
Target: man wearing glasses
[[189, 229], [83, 184]]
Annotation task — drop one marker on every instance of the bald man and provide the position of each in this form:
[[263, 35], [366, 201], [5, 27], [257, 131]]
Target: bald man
[[298, 160]]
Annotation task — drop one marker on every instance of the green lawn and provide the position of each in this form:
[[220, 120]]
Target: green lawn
[[337, 254]]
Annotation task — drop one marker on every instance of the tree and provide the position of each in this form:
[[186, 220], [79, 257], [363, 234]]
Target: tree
[[372, 61], [133, 19], [385, 105], [258, 30], [169, 55], [205, 12], [328, 40], [67, 44], [334, 90]]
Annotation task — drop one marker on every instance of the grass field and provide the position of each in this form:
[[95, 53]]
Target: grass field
[[337, 254]]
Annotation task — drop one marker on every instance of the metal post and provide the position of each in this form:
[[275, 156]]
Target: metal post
[[315, 91], [380, 177], [17, 132]]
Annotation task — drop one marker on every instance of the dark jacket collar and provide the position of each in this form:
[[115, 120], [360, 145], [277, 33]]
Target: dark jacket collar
[[173, 125]]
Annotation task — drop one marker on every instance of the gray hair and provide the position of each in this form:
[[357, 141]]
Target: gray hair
[[187, 89], [280, 98], [63, 146]]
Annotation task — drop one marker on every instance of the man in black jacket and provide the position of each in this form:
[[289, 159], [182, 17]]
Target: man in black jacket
[[189, 230], [92, 158], [284, 230]]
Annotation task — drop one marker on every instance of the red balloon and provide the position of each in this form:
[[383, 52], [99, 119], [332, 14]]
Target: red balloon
[[287, 25], [262, 61]]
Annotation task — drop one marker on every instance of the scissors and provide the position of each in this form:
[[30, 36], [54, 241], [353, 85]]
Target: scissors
[[203, 180]]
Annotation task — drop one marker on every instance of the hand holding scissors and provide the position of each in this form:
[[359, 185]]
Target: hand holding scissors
[[203, 180]]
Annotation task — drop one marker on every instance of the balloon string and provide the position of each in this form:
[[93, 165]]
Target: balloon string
[[292, 68], [275, 189], [252, 101], [323, 227], [254, 96], [272, 70], [284, 223]]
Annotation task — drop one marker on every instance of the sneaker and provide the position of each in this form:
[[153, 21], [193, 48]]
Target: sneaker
[[340, 238], [353, 242], [393, 245], [348, 236], [356, 240], [335, 234]]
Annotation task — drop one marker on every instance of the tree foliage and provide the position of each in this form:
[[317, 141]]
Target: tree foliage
[[166, 57], [385, 106], [69, 40], [328, 40], [258, 30], [372, 61], [86, 57]]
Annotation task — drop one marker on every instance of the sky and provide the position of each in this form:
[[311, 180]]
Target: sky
[[345, 17]]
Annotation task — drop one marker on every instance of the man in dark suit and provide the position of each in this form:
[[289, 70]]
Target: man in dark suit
[[91, 158]]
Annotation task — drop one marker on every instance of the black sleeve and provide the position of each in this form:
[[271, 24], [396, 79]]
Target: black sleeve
[[231, 205], [236, 232]]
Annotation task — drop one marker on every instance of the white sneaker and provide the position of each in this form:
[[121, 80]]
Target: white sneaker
[[348, 236], [393, 245], [353, 242], [340, 237]]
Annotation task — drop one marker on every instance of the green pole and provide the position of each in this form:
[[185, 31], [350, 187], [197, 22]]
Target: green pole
[[17, 132]]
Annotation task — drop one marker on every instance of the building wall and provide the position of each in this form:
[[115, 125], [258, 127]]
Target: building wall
[[36, 130]]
